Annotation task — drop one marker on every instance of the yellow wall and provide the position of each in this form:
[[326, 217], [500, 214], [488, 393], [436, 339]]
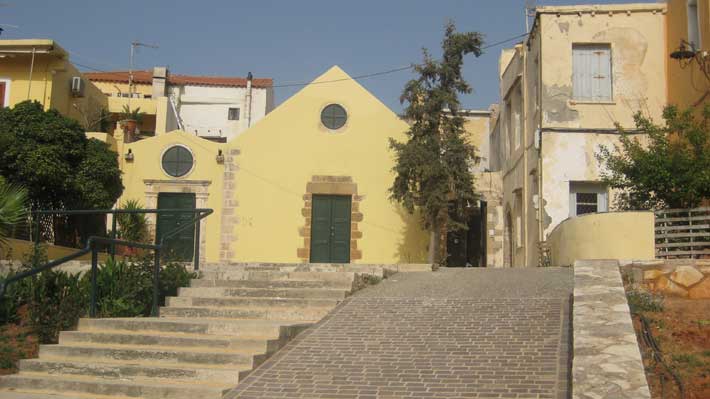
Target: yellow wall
[[687, 86], [18, 249], [206, 176], [613, 235], [282, 152]]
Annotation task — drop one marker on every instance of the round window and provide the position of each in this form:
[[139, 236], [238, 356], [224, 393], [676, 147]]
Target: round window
[[334, 116], [177, 161]]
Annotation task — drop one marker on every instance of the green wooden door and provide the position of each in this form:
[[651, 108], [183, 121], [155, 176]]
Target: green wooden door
[[182, 245], [330, 229]]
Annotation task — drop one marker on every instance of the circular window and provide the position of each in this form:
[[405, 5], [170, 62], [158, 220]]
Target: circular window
[[333, 116], [177, 161]]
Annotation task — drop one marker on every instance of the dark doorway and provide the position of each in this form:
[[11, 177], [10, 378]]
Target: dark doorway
[[330, 229], [467, 248], [181, 246]]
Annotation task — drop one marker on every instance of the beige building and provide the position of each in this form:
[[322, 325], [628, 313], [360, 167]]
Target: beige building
[[582, 70], [213, 107]]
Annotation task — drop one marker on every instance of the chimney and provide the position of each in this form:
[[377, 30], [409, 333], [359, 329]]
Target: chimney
[[160, 78], [247, 100]]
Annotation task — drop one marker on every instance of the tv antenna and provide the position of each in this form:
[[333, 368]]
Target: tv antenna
[[134, 46], [530, 6]]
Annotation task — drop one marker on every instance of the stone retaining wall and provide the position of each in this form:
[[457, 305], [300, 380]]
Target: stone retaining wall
[[607, 361], [686, 278]]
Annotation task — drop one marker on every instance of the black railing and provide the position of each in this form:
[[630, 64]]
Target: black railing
[[93, 248]]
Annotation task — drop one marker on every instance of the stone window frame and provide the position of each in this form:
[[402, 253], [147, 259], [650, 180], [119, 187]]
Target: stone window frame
[[169, 147], [200, 188], [331, 185], [325, 128]]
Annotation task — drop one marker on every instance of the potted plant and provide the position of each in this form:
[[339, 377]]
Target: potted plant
[[131, 227], [131, 118]]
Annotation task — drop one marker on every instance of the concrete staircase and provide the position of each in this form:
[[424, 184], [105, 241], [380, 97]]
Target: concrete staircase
[[208, 337]]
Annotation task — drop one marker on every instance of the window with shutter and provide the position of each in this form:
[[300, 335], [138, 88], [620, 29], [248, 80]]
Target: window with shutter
[[591, 77], [587, 197]]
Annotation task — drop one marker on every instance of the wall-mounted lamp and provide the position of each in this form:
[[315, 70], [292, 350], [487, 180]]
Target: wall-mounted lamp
[[684, 52], [129, 155], [220, 157]]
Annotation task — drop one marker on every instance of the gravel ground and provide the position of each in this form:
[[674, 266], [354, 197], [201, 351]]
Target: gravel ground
[[553, 282]]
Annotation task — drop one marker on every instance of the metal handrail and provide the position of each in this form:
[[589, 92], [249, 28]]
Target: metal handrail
[[200, 213]]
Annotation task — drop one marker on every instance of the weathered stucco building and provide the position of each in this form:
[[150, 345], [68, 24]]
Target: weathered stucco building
[[581, 71]]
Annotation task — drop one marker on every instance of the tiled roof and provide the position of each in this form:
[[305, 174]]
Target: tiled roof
[[146, 77]]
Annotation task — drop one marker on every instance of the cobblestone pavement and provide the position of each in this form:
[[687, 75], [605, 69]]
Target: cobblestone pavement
[[466, 333]]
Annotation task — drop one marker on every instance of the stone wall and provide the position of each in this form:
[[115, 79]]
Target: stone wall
[[686, 278], [607, 360]]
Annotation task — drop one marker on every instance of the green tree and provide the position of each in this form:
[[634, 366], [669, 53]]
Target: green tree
[[433, 167], [50, 155], [672, 170]]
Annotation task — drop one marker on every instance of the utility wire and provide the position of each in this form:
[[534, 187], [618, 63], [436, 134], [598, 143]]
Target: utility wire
[[358, 77], [403, 68]]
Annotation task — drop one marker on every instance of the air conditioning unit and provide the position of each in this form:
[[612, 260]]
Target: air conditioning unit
[[77, 86]]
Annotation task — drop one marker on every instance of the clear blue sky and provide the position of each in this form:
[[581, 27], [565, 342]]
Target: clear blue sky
[[288, 40]]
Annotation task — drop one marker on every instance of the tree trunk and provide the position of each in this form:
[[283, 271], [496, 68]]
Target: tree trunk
[[432, 245]]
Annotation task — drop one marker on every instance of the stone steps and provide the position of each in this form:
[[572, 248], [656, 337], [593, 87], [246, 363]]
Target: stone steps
[[157, 354], [37, 394], [236, 273], [310, 293], [310, 314], [265, 329], [133, 388], [277, 284], [375, 270], [249, 301], [174, 340], [129, 370], [207, 338]]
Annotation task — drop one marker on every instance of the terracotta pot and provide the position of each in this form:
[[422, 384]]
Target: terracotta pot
[[129, 125]]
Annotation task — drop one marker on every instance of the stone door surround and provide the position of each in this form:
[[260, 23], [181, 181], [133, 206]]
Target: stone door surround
[[200, 188], [330, 185]]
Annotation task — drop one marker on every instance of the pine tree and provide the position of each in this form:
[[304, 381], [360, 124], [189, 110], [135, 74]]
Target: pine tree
[[433, 167]]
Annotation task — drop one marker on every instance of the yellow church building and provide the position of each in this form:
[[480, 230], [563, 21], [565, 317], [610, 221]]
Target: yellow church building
[[307, 183]]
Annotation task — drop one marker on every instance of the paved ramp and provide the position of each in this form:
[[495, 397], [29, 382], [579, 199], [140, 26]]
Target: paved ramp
[[450, 334]]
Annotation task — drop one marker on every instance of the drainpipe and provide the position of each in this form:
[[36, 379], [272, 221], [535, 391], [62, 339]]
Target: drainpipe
[[32, 67], [247, 100], [540, 196]]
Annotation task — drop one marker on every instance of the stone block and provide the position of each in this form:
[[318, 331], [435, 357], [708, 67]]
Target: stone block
[[652, 274], [701, 290], [665, 285], [686, 276]]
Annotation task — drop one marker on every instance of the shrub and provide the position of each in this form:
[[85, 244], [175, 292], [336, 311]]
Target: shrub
[[132, 227], [644, 302]]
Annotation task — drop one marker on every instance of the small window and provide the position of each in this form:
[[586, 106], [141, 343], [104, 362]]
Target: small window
[[591, 77], [333, 116], [233, 114], [177, 161], [693, 24], [587, 197]]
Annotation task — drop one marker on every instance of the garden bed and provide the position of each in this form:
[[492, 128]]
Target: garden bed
[[17, 341], [674, 338]]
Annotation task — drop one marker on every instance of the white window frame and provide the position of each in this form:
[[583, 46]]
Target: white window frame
[[580, 187], [8, 85], [693, 20], [593, 97], [239, 113]]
